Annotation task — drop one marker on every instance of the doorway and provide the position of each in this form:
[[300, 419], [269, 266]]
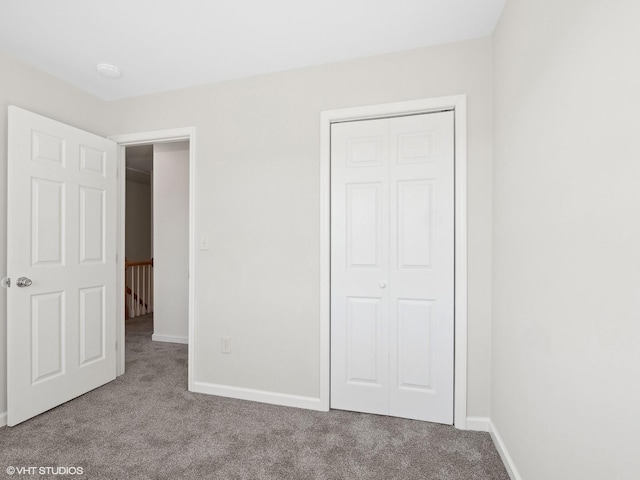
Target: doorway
[[167, 144], [456, 104], [157, 238], [139, 226]]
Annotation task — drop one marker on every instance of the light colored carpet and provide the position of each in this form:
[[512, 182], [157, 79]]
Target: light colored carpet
[[146, 425]]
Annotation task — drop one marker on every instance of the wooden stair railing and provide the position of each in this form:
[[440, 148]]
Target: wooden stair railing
[[135, 298], [138, 288]]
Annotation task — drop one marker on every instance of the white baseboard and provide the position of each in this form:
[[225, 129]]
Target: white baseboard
[[478, 424], [262, 396], [504, 453], [3, 419], [169, 339]]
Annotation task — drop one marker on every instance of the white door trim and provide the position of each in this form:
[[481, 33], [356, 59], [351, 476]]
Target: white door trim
[[159, 136], [457, 103]]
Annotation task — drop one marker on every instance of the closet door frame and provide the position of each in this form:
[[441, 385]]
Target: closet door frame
[[458, 104]]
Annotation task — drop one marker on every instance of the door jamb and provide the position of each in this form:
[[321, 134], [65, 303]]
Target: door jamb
[[159, 136], [457, 103]]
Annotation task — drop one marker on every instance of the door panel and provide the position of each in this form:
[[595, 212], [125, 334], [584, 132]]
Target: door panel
[[360, 216], [363, 340], [92, 231], [365, 150], [47, 339], [93, 161], [414, 344], [47, 148], [392, 244], [92, 324], [48, 222], [62, 236], [363, 220], [415, 224]]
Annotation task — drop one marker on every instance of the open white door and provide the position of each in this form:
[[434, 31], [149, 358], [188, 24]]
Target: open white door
[[61, 249]]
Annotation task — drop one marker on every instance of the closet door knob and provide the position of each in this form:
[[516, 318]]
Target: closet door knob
[[382, 285]]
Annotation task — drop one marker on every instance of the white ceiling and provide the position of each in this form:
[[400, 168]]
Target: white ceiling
[[168, 44]]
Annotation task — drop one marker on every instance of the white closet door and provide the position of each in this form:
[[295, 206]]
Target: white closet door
[[421, 270], [392, 266], [359, 265]]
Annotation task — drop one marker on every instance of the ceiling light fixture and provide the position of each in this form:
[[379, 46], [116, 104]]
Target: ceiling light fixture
[[109, 71]]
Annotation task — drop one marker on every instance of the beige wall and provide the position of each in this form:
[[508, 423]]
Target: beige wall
[[29, 88], [171, 242], [138, 221], [258, 204], [566, 296]]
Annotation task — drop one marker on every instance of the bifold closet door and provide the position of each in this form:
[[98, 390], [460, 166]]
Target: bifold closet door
[[392, 284]]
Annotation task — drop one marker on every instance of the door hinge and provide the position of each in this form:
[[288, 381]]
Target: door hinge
[[5, 282]]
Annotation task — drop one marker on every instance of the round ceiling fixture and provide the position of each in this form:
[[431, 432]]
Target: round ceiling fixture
[[108, 70]]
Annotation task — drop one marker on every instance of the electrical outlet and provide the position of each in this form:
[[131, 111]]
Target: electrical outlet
[[225, 346], [204, 243]]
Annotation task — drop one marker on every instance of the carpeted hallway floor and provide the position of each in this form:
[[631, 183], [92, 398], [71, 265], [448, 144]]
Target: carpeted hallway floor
[[146, 425]]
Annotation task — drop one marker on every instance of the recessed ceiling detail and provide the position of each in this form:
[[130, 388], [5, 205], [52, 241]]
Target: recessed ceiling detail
[[165, 45]]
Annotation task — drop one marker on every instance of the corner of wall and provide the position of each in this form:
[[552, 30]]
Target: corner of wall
[[503, 452], [485, 424], [478, 424]]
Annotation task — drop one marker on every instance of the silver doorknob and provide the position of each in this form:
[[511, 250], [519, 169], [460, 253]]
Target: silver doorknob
[[24, 282], [382, 285]]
